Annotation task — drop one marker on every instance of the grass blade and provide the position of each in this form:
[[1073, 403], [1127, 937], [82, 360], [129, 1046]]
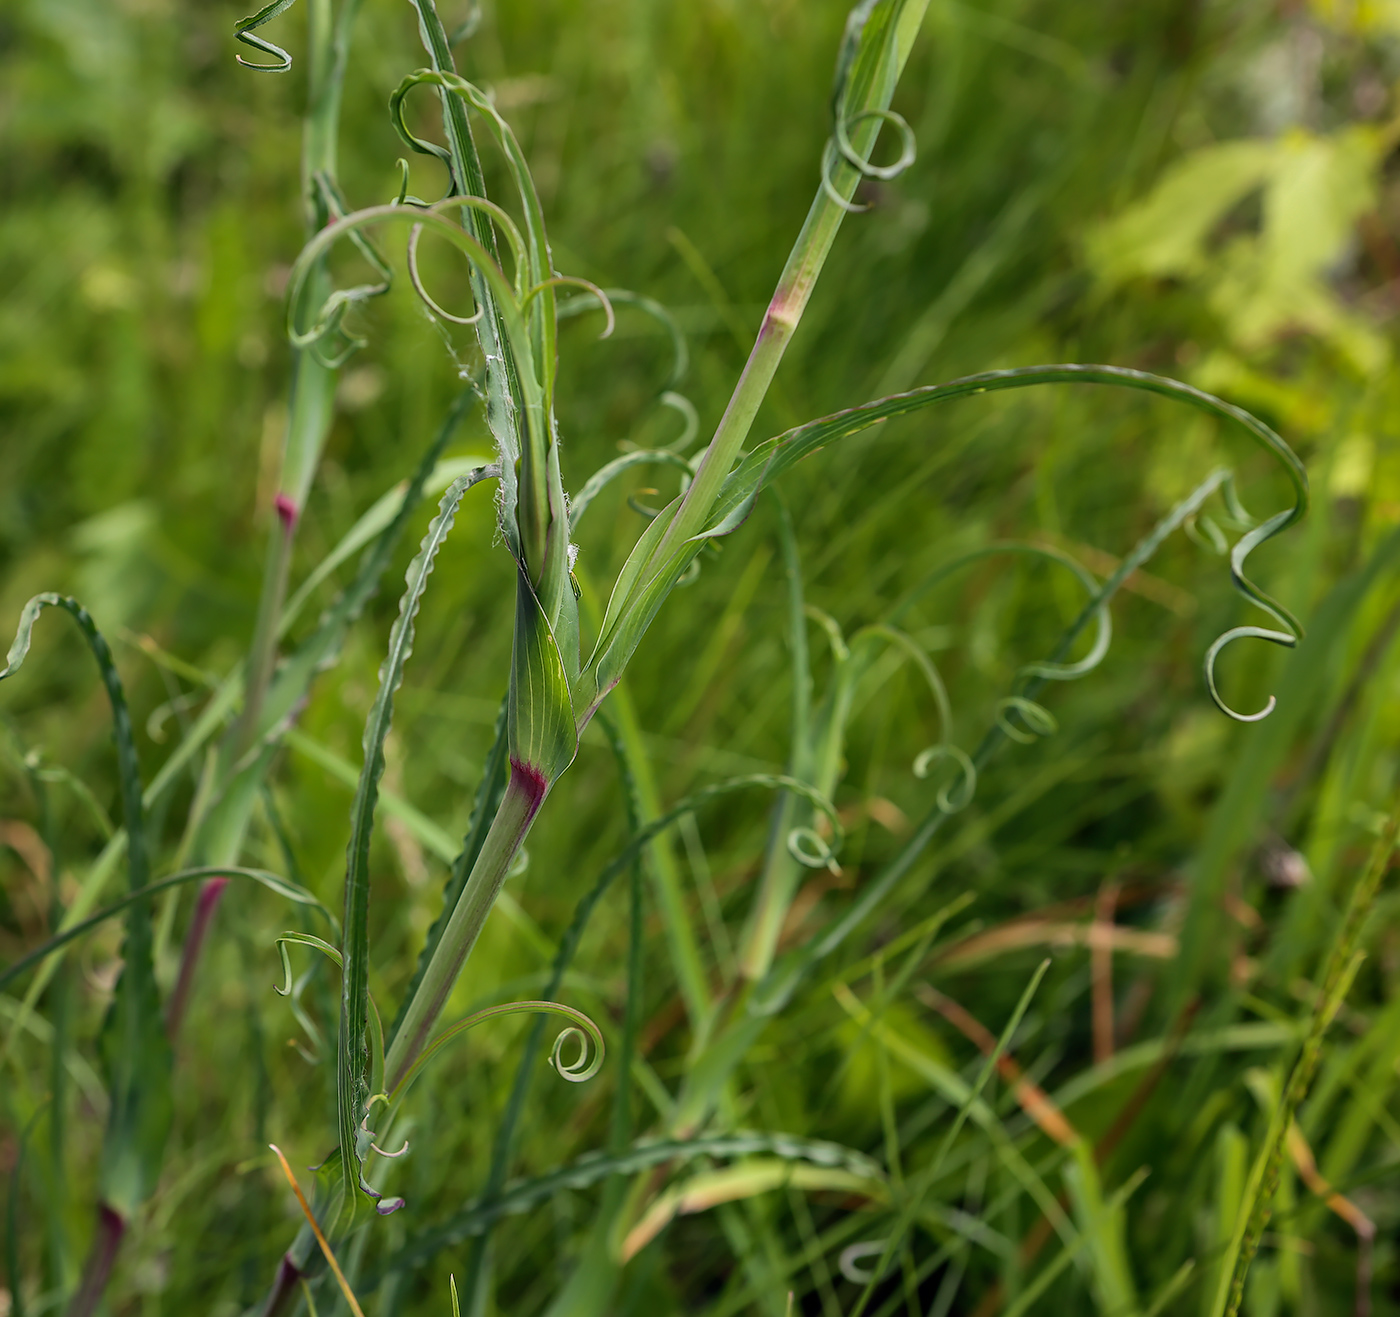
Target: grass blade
[[1343, 960]]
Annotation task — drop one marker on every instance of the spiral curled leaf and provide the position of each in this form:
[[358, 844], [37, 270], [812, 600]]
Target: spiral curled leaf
[[503, 222], [416, 279], [967, 776], [571, 280], [537, 268], [304, 332], [580, 1029], [809, 848], [1288, 640], [771, 458], [907, 149], [839, 148], [581, 1068], [871, 30], [1037, 719], [244, 31]]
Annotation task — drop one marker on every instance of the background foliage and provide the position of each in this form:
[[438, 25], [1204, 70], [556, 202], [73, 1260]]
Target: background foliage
[[1196, 187]]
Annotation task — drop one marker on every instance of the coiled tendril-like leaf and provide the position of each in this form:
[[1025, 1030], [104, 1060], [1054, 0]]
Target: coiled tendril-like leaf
[[243, 31], [770, 458], [582, 1030]]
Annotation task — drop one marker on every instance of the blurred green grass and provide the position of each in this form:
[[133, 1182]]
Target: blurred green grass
[[147, 221]]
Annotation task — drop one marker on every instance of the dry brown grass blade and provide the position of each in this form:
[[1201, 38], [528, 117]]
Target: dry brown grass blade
[[1039, 1234], [1036, 931], [1034, 1101], [1305, 1163], [320, 1238]]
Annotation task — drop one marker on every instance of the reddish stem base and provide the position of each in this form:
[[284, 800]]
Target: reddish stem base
[[106, 1240]]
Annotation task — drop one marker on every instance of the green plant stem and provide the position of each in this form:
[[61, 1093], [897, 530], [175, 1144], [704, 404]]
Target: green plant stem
[[519, 805], [313, 382], [794, 291]]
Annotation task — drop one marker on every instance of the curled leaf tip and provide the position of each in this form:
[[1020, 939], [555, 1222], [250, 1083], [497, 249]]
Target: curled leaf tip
[[565, 280], [965, 784], [1037, 719], [416, 279], [589, 1059], [243, 31], [809, 848], [1287, 639]]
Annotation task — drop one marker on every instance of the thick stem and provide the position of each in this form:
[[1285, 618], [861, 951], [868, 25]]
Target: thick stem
[[106, 1241], [799, 277], [521, 802]]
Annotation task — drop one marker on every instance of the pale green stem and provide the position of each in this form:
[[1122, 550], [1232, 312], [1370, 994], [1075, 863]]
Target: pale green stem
[[503, 841], [313, 384], [780, 322]]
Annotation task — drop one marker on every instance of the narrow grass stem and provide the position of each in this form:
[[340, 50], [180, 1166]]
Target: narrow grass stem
[[521, 802]]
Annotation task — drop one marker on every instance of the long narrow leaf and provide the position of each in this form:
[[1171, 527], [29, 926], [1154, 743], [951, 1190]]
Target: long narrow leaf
[[595, 1167], [133, 1043], [351, 1087]]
